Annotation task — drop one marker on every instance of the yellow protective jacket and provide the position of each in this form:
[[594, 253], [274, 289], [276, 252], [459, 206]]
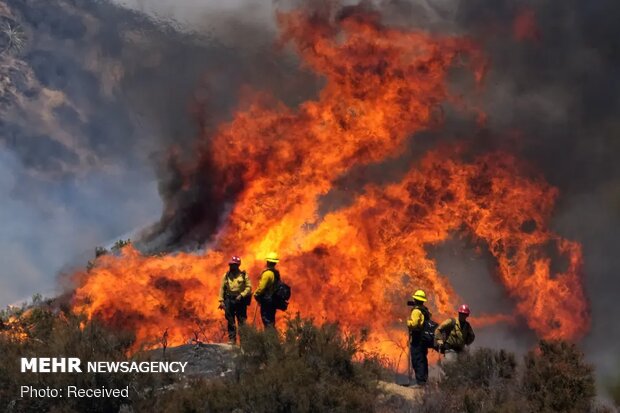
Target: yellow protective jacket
[[416, 319], [235, 284], [454, 334], [266, 285]]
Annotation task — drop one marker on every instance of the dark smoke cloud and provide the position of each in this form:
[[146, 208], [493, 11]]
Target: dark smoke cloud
[[559, 89], [89, 109], [562, 92]]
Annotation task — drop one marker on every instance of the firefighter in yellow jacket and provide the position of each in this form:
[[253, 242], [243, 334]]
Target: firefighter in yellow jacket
[[454, 334], [418, 350], [265, 290], [235, 296]]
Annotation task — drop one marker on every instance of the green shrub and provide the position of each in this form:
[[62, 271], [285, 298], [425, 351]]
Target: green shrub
[[553, 378], [557, 379], [57, 334], [308, 369], [613, 388], [482, 368], [481, 381]]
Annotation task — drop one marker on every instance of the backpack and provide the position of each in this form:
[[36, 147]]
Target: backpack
[[427, 335], [281, 291]]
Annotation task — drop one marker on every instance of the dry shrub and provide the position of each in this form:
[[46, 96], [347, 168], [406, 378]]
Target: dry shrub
[[58, 334], [553, 378], [308, 369], [613, 388], [482, 381], [557, 379]]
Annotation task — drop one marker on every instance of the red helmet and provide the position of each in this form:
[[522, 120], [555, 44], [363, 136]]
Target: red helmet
[[235, 260], [464, 309]]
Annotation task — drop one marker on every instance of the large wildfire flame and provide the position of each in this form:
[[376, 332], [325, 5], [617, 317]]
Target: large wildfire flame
[[356, 265]]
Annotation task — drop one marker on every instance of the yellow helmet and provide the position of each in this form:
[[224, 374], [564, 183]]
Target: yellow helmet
[[419, 295], [272, 257]]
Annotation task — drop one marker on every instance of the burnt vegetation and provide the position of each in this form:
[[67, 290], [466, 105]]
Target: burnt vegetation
[[304, 368]]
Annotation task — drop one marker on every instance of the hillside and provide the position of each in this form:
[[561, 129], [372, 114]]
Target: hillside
[[306, 368], [76, 83]]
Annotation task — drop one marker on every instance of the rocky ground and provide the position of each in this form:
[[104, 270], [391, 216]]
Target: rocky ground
[[213, 361], [204, 360]]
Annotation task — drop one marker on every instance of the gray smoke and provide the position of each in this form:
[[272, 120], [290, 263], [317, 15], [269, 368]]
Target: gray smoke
[[90, 106]]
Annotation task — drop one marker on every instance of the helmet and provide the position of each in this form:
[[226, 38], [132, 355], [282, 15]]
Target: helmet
[[419, 295], [235, 260], [272, 257], [464, 309]]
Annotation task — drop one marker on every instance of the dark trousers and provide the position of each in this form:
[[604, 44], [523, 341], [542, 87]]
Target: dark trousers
[[419, 362], [268, 313], [234, 311]]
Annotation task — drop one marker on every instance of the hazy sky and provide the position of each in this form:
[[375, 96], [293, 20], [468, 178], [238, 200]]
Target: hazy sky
[[60, 221]]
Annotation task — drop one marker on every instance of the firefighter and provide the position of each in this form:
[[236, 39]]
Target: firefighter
[[235, 296], [265, 290], [454, 334], [418, 349]]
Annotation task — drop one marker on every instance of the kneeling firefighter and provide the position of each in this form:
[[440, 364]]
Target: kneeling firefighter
[[454, 334], [235, 296]]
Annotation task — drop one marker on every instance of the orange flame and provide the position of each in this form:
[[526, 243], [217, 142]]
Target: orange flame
[[359, 264], [15, 329]]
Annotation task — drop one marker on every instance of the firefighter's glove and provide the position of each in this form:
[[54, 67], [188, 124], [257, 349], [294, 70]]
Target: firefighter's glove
[[238, 298], [221, 306]]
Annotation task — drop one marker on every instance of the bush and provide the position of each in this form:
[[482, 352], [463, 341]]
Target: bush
[[483, 368], [557, 379], [554, 378], [481, 381], [48, 333], [613, 388], [305, 369], [308, 369]]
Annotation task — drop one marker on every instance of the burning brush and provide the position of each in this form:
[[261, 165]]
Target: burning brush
[[382, 85]]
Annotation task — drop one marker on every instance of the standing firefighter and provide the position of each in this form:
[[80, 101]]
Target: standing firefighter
[[235, 296], [454, 334], [419, 324], [264, 294]]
